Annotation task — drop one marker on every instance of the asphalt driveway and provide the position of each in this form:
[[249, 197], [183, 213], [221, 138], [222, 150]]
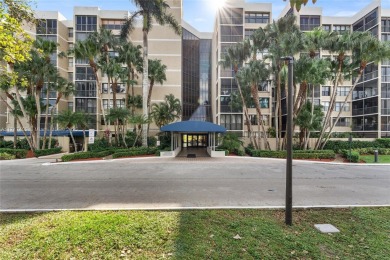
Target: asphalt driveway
[[161, 183]]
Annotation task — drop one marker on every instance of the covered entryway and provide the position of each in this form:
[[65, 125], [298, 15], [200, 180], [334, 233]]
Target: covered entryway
[[193, 138]]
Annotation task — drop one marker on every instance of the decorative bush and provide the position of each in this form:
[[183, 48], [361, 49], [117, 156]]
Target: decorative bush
[[345, 145], [382, 151], [18, 153], [354, 156], [134, 152], [47, 151], [99, 145], [85, 155], [6, 156], [6, 144], [296, 154]]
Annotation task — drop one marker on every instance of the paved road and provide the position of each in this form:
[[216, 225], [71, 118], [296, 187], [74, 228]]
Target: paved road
[[185, 183]]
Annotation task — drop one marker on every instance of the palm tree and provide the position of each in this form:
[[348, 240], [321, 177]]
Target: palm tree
[[235, 57], [255, 73], [130, 55], [119, 116], [309, 119], [69, 119], [63, 88], [157, 73], [88, 49], [166, 112], [151, 11], [366, 49]]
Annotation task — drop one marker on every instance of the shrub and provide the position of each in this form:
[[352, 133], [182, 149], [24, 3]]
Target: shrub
[[47, 151], [6, 156], [85, 155], [345, 145], [19, 153], [296, 154], [99, 145], [354, 156], [134, 152], [6, 144]]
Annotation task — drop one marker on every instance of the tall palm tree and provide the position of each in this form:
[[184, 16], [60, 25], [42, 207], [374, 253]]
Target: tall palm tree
[[255, 73], [366, 50], [151, 11], [157, 74], [235, 57], [88, 49], [130, 55], [298, 3], [309, 119], [119, 116]]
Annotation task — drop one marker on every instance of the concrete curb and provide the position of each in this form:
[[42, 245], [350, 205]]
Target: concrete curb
[[196, 208]]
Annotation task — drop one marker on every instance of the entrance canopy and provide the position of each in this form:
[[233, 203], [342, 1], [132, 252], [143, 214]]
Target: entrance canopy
[[193, 127]]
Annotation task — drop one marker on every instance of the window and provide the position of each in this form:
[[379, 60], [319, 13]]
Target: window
[[264, 102], [113, 24], [341, 28], [70, 106], [385, 24], [343, 91], [70, 76], [263, 86], [249, 33], [325, 106], [231, 122], [120, 88], [343, 121], [86, 105], [254, 17], [231, 33], [308, 23], [86, 23], [47, 26], [338, 106], [326, 27], [231, 15], [70, 62], [326, 91], [70, 32], [84, 73], [86, 89], [119, 103]]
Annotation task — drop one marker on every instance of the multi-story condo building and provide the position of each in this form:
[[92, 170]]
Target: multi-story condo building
[[195, 76]]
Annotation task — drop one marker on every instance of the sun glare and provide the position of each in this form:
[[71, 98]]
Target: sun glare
[[217, 4]]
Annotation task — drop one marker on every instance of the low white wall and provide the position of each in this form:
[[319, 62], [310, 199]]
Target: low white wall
[[171, 153], [215, 153]]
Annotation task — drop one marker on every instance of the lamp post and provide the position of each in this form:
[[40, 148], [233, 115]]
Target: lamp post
[[289, 130]]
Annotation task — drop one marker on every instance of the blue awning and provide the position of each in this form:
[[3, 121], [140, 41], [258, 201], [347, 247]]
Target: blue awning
[[193, 127]]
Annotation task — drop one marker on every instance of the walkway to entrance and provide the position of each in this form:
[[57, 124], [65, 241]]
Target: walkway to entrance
[[193, 152]]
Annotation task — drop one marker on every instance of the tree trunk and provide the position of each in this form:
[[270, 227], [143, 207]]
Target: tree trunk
[[21, 105], [15, 130], [145, 87], [46, 118], [38, 123], [74, 142], [255, 95], [149, 99], [51, 126]]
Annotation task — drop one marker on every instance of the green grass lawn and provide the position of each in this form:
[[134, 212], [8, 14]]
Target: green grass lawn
[[202, 234], [370, 158]]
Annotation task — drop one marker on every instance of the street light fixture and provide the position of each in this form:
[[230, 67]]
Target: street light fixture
[[289, 130]]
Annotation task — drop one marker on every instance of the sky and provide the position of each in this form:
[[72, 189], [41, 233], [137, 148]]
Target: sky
[[200, 13]]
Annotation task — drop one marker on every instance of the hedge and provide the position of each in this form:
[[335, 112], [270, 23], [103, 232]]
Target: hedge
[[47, 151], [296, 154], [19, 153], [345, 145], [382, 151], [84, 155], [6, 156], [353, 157], [134, 152]]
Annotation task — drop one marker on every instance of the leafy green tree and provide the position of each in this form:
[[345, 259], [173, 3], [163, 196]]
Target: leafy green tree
[[151, 11], [166, 112], [157, 74], [309, 119], [232, 142], [69, 119], [119, 116]]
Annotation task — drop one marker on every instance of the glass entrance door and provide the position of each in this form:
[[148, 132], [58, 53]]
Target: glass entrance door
[[194, 140]]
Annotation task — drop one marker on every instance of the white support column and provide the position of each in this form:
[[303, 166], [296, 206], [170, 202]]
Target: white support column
[[172, 136]]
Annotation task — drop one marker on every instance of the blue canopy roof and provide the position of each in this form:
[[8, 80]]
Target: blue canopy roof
[[193, 127]]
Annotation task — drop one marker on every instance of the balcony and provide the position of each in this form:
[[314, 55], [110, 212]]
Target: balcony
[[309, 27], [365, 127], [385, 111]]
